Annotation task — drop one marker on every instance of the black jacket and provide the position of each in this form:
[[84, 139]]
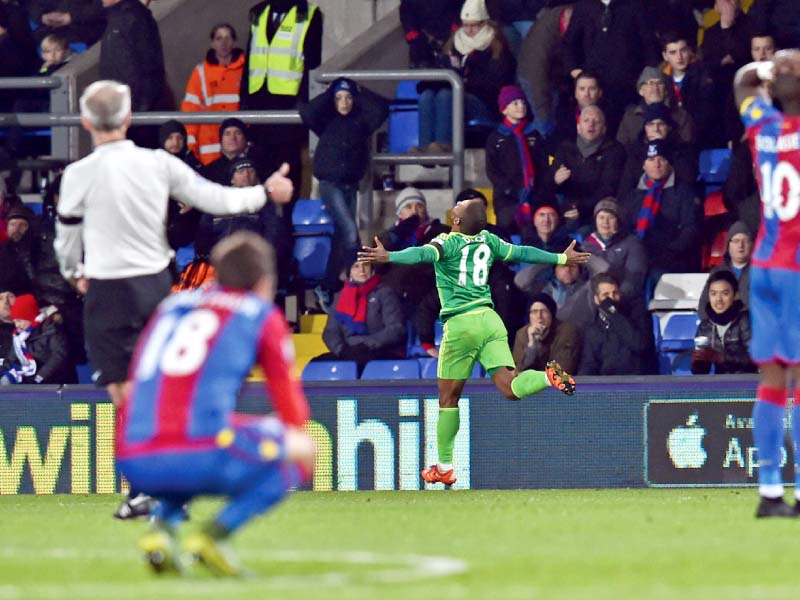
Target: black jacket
[[618, 342], [508, 11], [781, 17], [698, 99], [672, 241], [733, 345], [504, 168], [427, 25], [342, 154], [132, 53], [592, 179], [87, 17], [48, 345], [618, 53]]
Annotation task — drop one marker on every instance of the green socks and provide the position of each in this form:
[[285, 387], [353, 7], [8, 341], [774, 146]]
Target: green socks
[[446, 430], [528, 382]]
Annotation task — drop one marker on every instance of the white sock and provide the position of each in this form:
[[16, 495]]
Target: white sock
[[445, 467], [771, 491]]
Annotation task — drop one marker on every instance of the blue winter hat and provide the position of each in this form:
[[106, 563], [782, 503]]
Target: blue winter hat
[[343, 83]]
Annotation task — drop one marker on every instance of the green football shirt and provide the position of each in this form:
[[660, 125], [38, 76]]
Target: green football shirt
[[462, 263]]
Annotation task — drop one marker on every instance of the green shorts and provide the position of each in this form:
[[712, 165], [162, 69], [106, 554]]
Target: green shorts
[[477, 335]]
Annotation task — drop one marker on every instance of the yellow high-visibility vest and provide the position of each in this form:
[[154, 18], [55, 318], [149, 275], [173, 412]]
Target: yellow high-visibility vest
[[280, 63]]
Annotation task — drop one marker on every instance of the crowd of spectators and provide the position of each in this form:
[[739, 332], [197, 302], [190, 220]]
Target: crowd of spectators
[[600, 109]]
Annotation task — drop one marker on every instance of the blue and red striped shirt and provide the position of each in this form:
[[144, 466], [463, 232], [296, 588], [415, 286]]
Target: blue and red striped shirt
[[191, 362], [775, 144]]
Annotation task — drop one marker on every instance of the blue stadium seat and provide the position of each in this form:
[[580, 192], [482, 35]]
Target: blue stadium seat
[[679, 332], [391, 369], [85, 372], [403, 118], [682, 364], [184, 256], [330, 370], [715, 164], [311, 217], [311, 253]]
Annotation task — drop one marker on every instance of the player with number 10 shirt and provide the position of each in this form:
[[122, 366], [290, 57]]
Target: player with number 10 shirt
[[775, 276], [473, 331]]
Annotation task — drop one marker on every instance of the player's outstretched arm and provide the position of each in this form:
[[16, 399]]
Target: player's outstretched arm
[[574, 257], [409, 256]]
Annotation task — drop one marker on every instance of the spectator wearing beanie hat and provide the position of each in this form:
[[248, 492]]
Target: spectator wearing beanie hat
[[545, 338], [548, 232], [344, 118], [737, 258], [234, 143], [40, 345], [726, 327], [414, 284], [665, 214], [616, 251], [658, 124], [479, 53], [18, 252], [517, 164], [652, 87]]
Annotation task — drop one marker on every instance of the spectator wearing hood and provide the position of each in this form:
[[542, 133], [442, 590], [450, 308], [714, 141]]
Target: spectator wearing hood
[[40, 345], [366, 322], [738, 252], [213, 86], [17, 261], [344, 118], [181, 219], [545, 338], [517, 164], [726, 329]]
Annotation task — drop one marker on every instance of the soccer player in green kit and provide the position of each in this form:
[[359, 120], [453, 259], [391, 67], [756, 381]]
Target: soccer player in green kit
[[472, 329]]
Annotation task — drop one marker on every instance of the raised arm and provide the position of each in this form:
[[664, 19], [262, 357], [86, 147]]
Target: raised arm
[[530, 254], [749, 81], [409, 256]]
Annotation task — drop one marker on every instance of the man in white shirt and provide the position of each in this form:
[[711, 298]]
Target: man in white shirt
[[111, 237]]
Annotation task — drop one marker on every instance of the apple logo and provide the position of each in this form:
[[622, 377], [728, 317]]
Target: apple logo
[[685, 445]]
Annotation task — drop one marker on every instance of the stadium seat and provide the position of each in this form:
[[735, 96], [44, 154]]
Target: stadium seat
[[85, 373], [330, 370], [714, 253], [306, 347], [715, 164], [678, 291], [313, 323], [682, 363], [391, 369], [311, 217], [184, 256], [679, 332], [311, 253], [713, 205], [403, 118]]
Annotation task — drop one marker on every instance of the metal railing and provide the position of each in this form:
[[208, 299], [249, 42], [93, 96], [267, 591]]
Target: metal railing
[[64, 150]]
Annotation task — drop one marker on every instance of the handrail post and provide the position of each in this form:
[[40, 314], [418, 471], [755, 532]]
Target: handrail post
[[458, 132]]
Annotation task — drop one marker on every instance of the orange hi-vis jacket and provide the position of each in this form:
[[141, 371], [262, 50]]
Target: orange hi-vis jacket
[[211, 87]]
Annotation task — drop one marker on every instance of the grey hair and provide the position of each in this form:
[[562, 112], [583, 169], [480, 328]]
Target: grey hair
[[106, 104]]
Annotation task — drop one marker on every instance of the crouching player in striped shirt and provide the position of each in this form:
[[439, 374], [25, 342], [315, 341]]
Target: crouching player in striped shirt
[[179, 437]]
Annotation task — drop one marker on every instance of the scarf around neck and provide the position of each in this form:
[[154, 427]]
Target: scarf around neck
[[351, 309], [724, 318], [480, 41], [20, 340], [520, 131], [650, 206], [588, 148]]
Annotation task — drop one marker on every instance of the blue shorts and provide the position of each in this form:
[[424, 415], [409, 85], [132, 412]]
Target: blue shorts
[[775, 315], [245, 454]]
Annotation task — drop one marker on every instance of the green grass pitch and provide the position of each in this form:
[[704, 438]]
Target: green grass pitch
[[600, 544]]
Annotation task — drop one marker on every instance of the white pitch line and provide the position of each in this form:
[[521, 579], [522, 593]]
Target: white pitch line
[[402, 568]]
